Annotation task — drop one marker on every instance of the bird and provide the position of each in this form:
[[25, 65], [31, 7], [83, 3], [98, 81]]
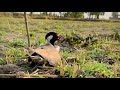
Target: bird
[[47, 53]]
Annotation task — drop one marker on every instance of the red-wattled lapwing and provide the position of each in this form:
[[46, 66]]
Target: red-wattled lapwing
[[47, 53]]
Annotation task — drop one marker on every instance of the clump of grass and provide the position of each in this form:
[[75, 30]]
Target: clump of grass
[[109, 37], [91, 68], [2, 61], [58, 26], [17, 43], [13, 54], [69, 70], [95, 54], [2, 34], [32, 34], [38, 41], [73, 40], [116, 36], [65, 54], [76, 40], [87, 69]]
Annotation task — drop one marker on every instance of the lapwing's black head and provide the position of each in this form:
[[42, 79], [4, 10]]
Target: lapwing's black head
[[51, 37]]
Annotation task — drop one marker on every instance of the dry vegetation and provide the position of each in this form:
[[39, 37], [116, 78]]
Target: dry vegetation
[[91, 49]]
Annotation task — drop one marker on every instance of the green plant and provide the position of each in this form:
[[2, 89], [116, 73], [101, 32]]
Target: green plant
[[32, 34], [91, 68], [116, 36], [69, 71], [17, 43], [65, 54], [96, 53], [38, 41], [73, 39], [2, 61], [12, 54]]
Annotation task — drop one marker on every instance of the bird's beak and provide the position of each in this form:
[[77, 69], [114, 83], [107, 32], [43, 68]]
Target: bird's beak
[[60, 38]]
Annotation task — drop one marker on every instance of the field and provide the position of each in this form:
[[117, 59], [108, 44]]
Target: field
[[93, 46]]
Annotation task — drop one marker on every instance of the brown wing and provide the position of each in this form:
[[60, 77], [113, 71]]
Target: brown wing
[[49, 53]]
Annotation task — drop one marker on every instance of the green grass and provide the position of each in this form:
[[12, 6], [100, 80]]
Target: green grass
[[13, 37], [13, 54], [17, 43], [91, 68]]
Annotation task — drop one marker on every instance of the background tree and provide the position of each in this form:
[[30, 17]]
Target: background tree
[[77, 14], [40, 13], [68, 14], [31, 13], [115, 14], [46, 14], [97, 14], [74, 14], [50, 13], [60, 14]]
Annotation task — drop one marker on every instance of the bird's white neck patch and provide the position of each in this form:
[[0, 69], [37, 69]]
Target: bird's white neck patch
[[48, 39], [57, 48]]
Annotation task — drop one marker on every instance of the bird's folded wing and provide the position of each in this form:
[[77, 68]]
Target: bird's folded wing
[[49, 53]]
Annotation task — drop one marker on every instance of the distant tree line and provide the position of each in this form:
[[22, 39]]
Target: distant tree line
[[96, 14], [54, 15], [74, 14]]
